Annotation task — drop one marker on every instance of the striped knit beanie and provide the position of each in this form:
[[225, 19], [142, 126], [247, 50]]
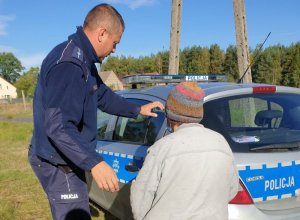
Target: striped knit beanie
[[185, 103]]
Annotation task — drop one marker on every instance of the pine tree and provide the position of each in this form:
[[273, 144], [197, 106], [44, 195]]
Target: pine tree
[[230, 66], [216, 59]]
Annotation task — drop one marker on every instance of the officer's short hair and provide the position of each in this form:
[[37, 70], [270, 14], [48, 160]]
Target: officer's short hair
[[106, 15]]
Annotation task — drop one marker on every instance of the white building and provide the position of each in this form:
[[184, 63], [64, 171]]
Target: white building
[[7, 90]]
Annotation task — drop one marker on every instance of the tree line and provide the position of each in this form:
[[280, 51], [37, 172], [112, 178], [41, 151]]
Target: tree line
[[278, 65]]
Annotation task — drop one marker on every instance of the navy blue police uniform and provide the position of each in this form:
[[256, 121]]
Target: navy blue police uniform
[[68, 93]]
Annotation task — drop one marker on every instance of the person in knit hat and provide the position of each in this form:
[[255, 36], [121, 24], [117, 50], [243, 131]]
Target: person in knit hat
[[190, 173], [185, 103]]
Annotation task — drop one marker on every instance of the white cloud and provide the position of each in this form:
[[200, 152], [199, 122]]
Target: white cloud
[[133, 4], [34, 60], [4, 19]]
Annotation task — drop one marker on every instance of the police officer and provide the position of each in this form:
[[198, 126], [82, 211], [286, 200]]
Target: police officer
[[66, 99]]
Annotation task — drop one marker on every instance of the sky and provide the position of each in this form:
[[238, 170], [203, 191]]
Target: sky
[[31, 28]]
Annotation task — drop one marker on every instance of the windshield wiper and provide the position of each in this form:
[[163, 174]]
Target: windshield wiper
[[277, 146]]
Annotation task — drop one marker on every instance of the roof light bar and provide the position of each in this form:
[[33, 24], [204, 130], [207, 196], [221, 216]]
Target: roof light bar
[[165, 78]]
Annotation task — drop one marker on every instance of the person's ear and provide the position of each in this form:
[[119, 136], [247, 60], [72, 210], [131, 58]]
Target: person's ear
[[101, 32]]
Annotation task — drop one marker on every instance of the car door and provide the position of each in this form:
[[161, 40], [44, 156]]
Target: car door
[[123, 144]]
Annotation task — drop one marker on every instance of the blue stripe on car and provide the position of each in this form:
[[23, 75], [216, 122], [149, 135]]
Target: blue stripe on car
[[271, 181]]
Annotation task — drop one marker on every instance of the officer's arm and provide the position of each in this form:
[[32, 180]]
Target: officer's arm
[[112, 103], [65, 94]]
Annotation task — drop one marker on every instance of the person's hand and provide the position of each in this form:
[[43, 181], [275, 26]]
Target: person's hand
[[146, 110], [105, 177]]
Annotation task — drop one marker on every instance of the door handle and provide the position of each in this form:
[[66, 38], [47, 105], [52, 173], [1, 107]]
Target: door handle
[[132, 167]]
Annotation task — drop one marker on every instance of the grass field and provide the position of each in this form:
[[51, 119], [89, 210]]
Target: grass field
[[21, 196]]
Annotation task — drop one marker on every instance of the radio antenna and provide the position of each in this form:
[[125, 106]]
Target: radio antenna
[[254, 58]]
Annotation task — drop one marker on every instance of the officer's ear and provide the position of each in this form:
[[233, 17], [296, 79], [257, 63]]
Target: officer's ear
[[101, 32]]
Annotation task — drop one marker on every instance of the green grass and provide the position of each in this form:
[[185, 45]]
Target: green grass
[[21, 196]]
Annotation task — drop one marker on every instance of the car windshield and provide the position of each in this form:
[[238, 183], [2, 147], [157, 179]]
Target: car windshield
[[256, 121]]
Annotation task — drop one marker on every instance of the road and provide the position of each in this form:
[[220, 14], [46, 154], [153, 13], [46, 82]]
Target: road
[[16, 119]]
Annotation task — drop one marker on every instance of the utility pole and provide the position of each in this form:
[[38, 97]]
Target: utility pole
[[242, 40], [175, 37]]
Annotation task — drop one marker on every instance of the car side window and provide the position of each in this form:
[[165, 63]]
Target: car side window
[[140, 130], [102, 122], [131, 130], [259, 112]]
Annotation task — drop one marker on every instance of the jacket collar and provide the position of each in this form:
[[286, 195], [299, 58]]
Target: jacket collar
[[80, 39], [189, 125]]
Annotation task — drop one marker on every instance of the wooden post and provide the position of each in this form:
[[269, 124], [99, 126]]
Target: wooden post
[[242, 40], [175, 37], [24, 102]]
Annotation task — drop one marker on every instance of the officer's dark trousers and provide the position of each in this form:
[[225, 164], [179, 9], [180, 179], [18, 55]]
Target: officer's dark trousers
[[67, 192]]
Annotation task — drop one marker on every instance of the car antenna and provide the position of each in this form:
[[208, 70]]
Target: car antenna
[[254, 58]]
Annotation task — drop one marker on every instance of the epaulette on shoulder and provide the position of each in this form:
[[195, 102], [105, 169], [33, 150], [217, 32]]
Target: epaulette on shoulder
[[74, 54], [77, 53], [71, 52]]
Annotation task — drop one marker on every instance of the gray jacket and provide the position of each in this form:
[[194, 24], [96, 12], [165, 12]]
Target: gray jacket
[[189, 174]]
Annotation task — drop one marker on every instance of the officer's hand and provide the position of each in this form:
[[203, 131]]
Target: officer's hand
[[147, 109], [105, 177]]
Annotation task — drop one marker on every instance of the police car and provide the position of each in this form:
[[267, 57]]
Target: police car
[[260, 122]]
